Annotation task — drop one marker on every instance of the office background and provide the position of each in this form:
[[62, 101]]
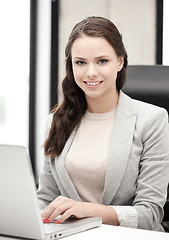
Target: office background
[[33, 38]]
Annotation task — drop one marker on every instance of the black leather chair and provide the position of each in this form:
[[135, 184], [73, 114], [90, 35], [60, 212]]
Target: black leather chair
[[150, 83]]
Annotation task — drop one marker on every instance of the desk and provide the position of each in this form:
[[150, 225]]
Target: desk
[[108, 232]]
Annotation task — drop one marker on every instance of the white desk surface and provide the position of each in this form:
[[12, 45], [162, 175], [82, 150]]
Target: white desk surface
[[112, 232]]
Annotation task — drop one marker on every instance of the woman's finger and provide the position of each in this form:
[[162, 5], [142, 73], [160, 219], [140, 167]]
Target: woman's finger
[[51, 207], [65, 215], [60, 210], [47, 212]]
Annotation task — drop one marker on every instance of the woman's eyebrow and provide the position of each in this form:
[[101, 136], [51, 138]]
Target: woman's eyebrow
[[79, 58], [102, 56]]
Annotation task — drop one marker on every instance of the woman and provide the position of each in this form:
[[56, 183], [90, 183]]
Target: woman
[[107, 155]]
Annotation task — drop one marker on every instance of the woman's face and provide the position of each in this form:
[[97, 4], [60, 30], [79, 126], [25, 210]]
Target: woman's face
[[95, 66]]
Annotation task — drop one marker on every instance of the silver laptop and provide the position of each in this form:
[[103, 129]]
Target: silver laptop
[[19, 210]]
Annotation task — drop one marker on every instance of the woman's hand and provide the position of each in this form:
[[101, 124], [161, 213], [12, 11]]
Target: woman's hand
[[68, 207], [65, 207]]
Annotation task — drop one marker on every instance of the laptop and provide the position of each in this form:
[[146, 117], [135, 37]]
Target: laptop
[[19, 209]]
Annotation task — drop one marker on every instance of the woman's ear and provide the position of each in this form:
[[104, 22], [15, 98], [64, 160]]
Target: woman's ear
[[121, 62]]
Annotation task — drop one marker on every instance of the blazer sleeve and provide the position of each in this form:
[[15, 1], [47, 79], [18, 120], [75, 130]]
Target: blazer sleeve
[[48, 189], [153, 178]]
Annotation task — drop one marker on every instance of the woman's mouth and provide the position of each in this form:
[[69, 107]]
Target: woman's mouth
[[93, 84]]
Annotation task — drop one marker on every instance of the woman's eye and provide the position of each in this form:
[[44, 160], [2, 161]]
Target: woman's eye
[[101, 61], [80, 62]]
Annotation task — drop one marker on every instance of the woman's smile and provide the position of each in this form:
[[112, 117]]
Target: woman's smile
[[93, 84]]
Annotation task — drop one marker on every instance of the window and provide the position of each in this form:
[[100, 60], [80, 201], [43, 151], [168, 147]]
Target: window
[[14, 74]]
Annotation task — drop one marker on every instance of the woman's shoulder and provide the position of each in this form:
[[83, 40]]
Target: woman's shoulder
[[144, 107], [148, 109], [150, 119], [149, 115], [146, 114], [141, 108]]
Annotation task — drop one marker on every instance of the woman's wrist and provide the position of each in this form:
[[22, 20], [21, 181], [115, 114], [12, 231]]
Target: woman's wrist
[[107, 213]]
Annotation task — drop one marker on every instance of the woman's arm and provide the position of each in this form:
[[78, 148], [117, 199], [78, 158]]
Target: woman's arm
[[47, 190], [152, 182]]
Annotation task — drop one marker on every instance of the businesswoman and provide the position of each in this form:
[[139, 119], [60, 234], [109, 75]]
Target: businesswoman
[[106, 154]]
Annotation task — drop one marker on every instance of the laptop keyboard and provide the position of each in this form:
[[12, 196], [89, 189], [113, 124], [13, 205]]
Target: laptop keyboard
[[51, 227]]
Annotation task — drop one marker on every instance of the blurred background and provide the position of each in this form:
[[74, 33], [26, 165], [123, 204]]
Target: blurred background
[[33, 38]]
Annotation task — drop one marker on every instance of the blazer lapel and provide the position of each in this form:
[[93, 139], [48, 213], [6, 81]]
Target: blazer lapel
[[62, 173], [120, 146]]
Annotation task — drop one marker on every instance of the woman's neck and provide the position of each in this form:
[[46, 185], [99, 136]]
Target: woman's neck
[[103, 104]]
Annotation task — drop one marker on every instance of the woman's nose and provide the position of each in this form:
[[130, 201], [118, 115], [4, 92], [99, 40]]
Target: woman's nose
[[91, 71]]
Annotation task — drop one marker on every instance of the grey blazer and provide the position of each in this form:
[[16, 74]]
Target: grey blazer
[[137, 165]]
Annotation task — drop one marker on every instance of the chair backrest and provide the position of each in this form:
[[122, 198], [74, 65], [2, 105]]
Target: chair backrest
[[149, 83]]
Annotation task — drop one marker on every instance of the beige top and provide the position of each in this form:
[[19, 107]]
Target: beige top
[[87, 158]]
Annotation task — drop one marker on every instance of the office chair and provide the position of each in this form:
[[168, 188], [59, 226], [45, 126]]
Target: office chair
[[150, 83]]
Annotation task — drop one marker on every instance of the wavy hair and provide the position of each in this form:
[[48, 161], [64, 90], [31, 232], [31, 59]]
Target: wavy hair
[[68, 115]]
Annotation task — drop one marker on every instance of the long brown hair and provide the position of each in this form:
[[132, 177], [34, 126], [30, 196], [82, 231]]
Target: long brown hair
[[68, 115]]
